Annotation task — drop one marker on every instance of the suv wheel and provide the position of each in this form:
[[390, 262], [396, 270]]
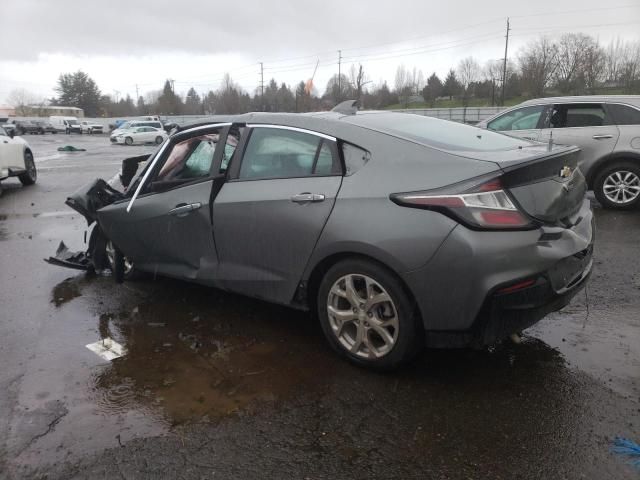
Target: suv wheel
[[618, 186], [31, 175], [366, 315]]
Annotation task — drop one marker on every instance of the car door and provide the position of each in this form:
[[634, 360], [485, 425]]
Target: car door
[[524, 122], [587, 125], [166, 226], [268, 216], [11, 153]]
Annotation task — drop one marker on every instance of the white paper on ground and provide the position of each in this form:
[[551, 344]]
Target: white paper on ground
[[107, 348]]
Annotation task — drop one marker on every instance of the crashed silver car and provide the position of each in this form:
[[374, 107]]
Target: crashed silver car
[[399, 231]]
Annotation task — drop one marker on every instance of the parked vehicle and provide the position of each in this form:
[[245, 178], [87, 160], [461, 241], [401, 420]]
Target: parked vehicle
[[65, 124], [22, 127], [45, 127], [16, 158], [136, 123], [397, 230], [606, 128], [90, 127], [139, 135]]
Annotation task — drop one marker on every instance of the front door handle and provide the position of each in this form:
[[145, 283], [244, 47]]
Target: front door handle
[[184, 209], [601, 137], [307, 197]]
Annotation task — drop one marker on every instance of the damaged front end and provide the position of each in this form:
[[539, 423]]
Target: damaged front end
[[87, 201]]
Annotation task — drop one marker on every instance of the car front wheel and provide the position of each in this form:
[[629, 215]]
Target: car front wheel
[[30, 176], [158, 140], [618, 186], [128, 141], [367, 316], [121, 267]]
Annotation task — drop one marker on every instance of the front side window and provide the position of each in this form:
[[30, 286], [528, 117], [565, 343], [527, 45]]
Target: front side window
[[525, 118], [573, 115], [189, 159], [281, 153], [624, 114]]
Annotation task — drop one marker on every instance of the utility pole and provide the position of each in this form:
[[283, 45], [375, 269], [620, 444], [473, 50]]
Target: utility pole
[[262, 85], [504, 65], [137, 94], [171, 80], [339, 75]]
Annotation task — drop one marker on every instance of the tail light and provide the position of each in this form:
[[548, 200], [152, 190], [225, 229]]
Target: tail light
[[485, 207]]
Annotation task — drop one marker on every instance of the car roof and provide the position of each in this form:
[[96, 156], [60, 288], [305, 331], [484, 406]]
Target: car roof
[[631, 99]]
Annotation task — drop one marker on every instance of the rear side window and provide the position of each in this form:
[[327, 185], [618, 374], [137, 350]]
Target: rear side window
[[354, 158], [280, 153], [624, 114], [579, 115], [525, 118]]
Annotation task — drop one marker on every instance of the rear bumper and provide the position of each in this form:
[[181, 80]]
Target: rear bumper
[[461, 291]]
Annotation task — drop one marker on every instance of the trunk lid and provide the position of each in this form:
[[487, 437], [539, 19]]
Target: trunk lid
[[549, 187]]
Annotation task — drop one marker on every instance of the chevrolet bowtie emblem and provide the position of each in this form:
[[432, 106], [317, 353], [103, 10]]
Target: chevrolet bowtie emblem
[[565, 172]]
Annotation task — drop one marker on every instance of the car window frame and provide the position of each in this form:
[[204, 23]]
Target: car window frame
[[539, 123], [236, 163], [603, 104], [613, 116], [161, 157]]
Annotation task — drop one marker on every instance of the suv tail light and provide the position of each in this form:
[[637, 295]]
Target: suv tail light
[[484, 207]]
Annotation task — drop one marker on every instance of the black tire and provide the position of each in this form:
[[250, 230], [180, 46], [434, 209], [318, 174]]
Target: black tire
[[410, 333], [31, 175], [159, 140], [122, 269], [609, 170], [128, 141]]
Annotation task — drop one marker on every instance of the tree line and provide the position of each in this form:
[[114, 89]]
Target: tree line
[[572, 64]]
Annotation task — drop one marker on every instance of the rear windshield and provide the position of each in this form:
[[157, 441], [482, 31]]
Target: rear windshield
[[441, 134]]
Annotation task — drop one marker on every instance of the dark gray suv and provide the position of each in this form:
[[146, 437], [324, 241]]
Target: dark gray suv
[[606, 128], [397, 231]]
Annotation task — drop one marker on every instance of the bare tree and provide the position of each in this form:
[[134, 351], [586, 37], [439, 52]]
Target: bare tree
[[572, 49], [21, 99], [538, 62], [468, 73], [630, 68], [614, 60], [594, 66], [403, 85], [358, 80]]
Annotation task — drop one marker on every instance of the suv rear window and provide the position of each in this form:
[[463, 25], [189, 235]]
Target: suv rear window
[[624, 114], [579, 115]]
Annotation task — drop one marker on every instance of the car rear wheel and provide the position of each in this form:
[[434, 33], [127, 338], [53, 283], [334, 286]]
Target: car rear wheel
[[128, 141], [159, 140], [617, 186], [367, 316], [31, 175]]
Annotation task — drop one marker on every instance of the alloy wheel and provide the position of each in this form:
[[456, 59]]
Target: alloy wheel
[[362, 316], [621, 187]]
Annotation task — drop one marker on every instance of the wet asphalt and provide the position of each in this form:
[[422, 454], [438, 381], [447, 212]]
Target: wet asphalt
[[215, 385]]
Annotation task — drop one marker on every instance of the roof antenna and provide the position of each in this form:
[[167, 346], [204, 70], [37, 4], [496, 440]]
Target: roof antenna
[[550, 145], [348, 107]]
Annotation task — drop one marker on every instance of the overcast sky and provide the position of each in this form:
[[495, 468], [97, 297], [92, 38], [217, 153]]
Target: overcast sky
[[124, 43]]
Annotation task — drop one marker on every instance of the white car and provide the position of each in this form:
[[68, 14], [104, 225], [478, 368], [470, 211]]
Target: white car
[[16, 159], [140, 135], [90, 127]]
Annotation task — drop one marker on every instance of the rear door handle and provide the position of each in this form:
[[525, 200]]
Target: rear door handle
[[601, 137], [307, 197], [184, 209]]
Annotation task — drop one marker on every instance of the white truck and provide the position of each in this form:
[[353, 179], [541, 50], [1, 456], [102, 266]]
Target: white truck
[[90, 127], [65, 124]]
